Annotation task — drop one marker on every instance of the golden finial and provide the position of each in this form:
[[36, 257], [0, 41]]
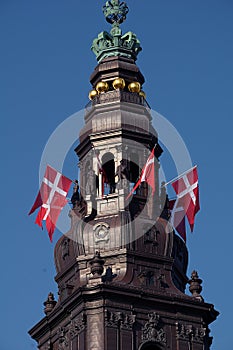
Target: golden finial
[[134, 87], [142, 94], [92, 94], [102, 86], [118, 83]]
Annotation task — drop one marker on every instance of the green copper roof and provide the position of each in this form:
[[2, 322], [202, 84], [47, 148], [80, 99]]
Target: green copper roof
[[114, 43]]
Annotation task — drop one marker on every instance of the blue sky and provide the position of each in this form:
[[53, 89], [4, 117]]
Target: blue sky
[[45, 64]]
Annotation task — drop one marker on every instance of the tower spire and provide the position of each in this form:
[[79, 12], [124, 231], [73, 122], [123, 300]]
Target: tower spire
[[121, 270], [114, 43]]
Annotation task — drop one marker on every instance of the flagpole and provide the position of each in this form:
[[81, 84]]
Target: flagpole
[[179, 176]]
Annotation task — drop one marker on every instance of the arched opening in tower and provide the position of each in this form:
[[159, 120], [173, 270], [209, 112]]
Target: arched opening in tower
[[108, 165], [150, 346], [134, 170]]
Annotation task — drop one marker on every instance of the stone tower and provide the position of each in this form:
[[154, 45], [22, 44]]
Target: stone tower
[[121, 269]]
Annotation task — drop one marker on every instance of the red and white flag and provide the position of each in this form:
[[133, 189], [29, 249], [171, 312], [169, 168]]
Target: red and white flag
[[101, 171], [177, 219], [99, 164], [147, 174], [51, 199], [187, 190]]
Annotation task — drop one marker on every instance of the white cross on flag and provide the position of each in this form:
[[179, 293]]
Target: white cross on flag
[[101, 171], [147, 174], [177, 219], [51, 199], [187, 190]]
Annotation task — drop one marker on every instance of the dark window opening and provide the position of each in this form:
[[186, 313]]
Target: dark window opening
[[150, 346], [108, 165], [134, 168]]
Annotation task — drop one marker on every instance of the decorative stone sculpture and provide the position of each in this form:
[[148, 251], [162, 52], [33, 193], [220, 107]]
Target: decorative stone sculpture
[[152, 331], [91, 182], [97, 265], [119, 320], [109, 276], [195, 286], [49, 304], [75, 197], [122, 174]]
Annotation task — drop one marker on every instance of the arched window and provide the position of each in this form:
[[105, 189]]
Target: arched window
[[108, 165], [150, 346], [135, 172]]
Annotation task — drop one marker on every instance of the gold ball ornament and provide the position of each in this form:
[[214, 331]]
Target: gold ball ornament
[[102, 86], [118, 83], [142, 94], [92, 94], [134, 87]]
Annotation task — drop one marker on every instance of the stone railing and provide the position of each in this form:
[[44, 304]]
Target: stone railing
[[117, 96]]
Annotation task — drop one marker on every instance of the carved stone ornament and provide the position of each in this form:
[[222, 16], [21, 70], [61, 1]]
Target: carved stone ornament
[[63, 342], [184, 332], [152, 331], [162, 281], [190, 333], [199, 335], [109, 275], [150, 235], [47, 346], [65, 248], [49, 304], [97, 265], [77, 325], [101, 232], [195, 286], [146, 278], [128, 322], [119, 320], [113, 319]]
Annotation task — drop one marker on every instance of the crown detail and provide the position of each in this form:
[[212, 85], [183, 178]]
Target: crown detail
[[115, 11], [116, 44]]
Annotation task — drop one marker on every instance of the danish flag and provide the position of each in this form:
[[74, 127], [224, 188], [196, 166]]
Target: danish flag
[[101, 171], [147, 174], [100, 168], [187, 190], [177, 219], [51, 199]]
